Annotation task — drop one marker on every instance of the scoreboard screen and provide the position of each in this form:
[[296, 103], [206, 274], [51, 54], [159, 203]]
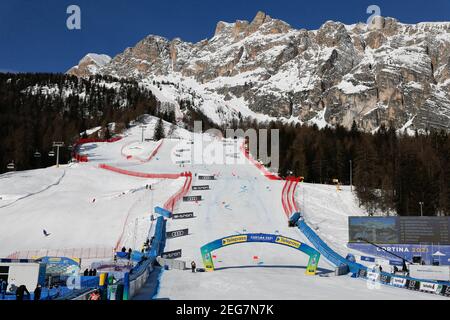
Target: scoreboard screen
[[400, 230]]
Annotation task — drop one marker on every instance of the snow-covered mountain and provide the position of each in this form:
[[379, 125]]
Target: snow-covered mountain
[[90, 64], [382, 73]]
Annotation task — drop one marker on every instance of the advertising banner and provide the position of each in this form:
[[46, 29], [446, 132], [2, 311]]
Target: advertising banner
[[437, 273], [386, 279], [186, 215], [413, 285], [445, 291], [172, 254], [199, 188], [206, 178], [430, 287], [428, 253], [192, 198], [368, 259], [398, 282], [400, 230], [177, 233]]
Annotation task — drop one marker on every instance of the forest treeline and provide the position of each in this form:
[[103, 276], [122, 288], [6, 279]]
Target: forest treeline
[[392, 172], [38, 109]]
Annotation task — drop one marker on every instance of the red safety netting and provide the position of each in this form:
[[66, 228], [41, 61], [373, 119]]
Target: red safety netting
[[149, 158], [172, 202], [261, 167], [288, 195], [142, 174], [84, 158]]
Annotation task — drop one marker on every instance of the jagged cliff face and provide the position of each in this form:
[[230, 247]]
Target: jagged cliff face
[[387, 72]]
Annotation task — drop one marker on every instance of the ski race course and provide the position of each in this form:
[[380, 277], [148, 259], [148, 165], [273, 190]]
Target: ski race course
[[92, 208]]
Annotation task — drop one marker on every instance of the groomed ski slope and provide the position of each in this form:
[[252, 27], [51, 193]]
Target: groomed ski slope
[[241, 200]]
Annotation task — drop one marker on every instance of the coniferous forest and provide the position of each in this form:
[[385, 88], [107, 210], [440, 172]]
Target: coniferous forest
[[38, 109], [392, 172]]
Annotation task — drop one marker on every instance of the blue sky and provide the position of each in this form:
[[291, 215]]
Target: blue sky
[[34, 37]]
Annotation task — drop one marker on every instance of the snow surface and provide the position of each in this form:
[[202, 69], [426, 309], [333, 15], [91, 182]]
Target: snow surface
[[241, 200]]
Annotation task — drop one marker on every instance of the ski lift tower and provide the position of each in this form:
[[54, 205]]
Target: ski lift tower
[[57, 145]]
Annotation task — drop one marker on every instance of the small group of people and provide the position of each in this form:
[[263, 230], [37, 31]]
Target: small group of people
[[90, 272], [130, 251], [148, 187], [21, 291]]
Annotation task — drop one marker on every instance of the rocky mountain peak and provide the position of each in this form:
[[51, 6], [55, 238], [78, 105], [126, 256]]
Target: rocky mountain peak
[[89, 65], [383, 73]]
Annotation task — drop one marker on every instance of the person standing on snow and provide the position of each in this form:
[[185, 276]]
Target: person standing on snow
[[20, 292], [193, 266], [37, 292], [3, 287]]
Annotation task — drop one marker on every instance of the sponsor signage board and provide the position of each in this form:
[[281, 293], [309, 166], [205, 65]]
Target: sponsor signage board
[[384, 278], [288, 242], [185, 215], [192, 198], [445, 291], [400, 230], [398, 282], [438, 273], [177, 233], [412, 284], [206, 178], [234, 239], [368, 259], [199, 188], [430, 287], [172, 254]]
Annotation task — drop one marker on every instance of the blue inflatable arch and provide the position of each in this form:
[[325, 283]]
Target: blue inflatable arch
[[313, 254]]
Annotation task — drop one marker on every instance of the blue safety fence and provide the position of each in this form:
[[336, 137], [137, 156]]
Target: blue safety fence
[[359, 270], [326, 251]]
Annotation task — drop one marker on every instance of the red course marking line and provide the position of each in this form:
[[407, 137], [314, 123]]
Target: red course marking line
[[261, 167], [141, 174], [152, 155]]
